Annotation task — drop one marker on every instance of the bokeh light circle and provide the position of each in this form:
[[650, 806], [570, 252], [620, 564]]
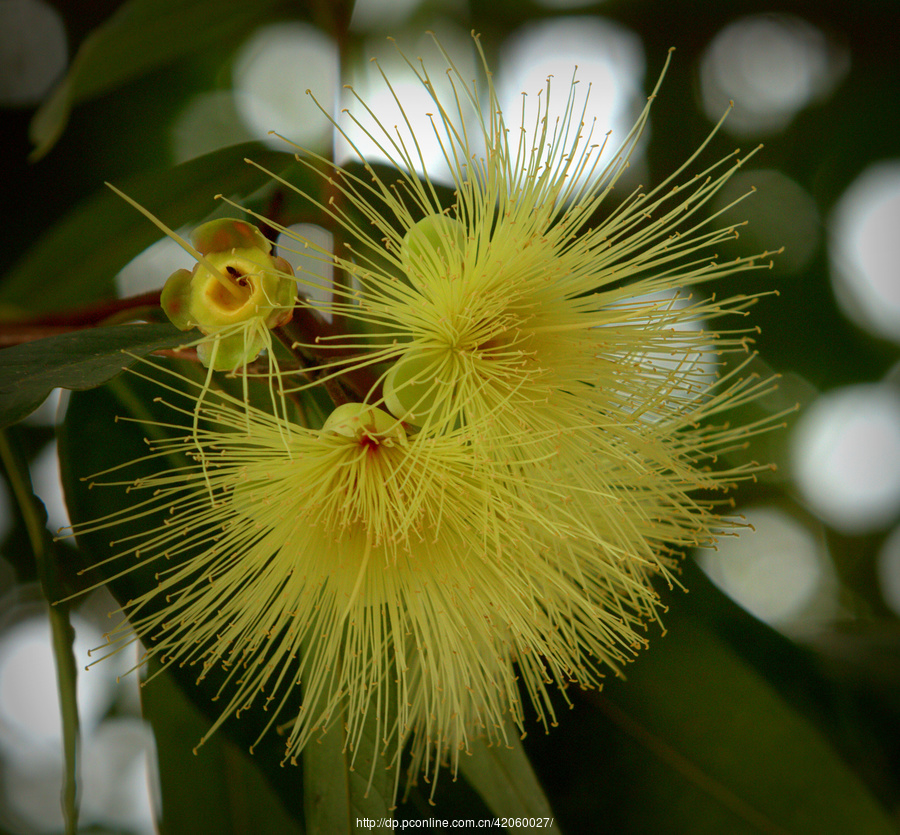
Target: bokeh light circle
[[846, 457], [864, 246], [605, 58], [379, 130], [778, 213], [774, 568], [33, 51], [271, 77], [148, 270], [29, 709], [307, 248], [771, 66], [888, 566]]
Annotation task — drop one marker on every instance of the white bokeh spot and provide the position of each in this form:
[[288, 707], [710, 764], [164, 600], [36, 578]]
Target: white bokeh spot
[[272, 73], [775, 570], [846, 457], [606, 60], [864, 246], [307, 248], [771, 66]]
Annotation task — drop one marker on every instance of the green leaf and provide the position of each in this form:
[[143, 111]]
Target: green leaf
[[141, 36], [79, 360], [704, 744], [337, 797], [326, 793], [507, 783], [347, 791], [76, 261], [218, 790], [61, 631]]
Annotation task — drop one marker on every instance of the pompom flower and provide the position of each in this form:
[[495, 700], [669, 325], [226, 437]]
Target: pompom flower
[[535, 450], [522, 302]]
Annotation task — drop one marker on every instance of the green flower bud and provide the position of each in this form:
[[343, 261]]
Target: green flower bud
[[410, 388], [237, 283], [364, 423], [233, 351], [434, 244]]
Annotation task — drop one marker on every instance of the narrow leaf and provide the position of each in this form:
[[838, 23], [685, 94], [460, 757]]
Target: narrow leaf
[[343, 794], [326, 789], [506, 782], [717, 736], [61, 631], [79, 360]]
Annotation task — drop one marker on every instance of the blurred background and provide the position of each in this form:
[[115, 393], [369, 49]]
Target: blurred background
[[815, 82]]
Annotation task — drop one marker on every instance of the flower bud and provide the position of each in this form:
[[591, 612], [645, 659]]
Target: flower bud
[[435, 243], [364, 423], [411, 391]]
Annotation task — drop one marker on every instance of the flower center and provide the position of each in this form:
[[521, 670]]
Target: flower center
[[220, 297]]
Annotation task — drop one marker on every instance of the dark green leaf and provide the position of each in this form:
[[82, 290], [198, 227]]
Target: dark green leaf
[[218, 790], [79, 360], [141, 36], [506, 782], [77, 260], [697, 741]]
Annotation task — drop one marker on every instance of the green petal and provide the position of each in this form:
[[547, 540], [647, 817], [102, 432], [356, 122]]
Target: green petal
[[228, 233], [176, 299], [233, 351]]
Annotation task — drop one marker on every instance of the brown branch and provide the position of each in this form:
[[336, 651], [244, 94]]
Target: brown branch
[[105, 312], [336, 391]]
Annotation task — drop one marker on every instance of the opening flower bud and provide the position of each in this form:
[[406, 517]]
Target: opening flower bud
[[236, 292], [411, 389], [364, 423]]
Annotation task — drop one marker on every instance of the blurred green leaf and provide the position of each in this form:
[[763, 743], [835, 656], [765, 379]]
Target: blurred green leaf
[[76, 261], [61, 631], [506, 782], [336, 796], [141, 36], [79, 360], [218, 790], [697, 741]]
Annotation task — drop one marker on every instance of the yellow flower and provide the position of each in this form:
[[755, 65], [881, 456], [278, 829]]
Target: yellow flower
[[522, 302], [370, 567], [527, 464]]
